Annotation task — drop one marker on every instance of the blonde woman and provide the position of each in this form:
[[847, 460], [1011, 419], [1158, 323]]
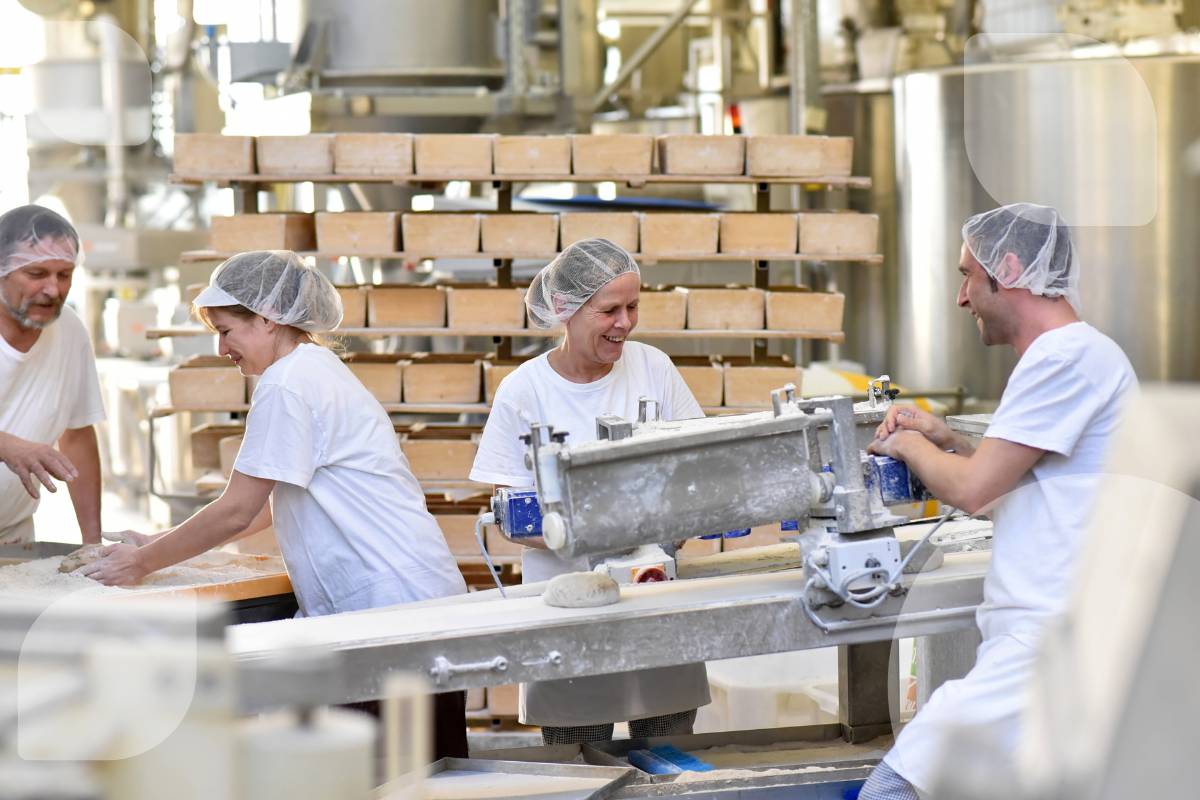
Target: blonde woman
[[319, 460]]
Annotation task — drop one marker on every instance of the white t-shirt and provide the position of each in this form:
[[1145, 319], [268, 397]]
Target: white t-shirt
[[43, 393], [349, 515], [534, 392], [1065, 397]]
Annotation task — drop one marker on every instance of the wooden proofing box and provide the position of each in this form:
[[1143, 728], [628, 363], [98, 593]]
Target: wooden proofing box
[[532, 155], [615, 154], [453, 154], [373, 153], [295, 155], [503, 701], [750, 385], [381, 374], [672, 234], [354, 306], [791, 308], [493, 373], [204, 154], [700, 154], [405, 306], [476, 699], [704, 378], [619, 227], [427, 234], [839, 233], [439, 454], [497, 545], [759, 536], [270, 231], [530, 234], [206, 445], [206, 382], [485, 308], [228, 449], [358, 233], [758, 234], [700, 547], [729, 308], [458, 529], [662, 308], [799, 156], [443, 378]]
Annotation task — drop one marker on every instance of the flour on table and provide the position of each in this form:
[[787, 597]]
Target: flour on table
[[40, 579]]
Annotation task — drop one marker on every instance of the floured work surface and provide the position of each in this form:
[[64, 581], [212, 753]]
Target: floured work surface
[[216, 575], [422, 622], [453, 619]]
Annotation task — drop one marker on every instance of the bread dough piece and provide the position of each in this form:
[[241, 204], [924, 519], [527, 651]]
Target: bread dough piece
[[81, 557], [581, 590]]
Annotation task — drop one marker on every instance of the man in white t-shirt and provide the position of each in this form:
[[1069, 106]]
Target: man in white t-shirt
[[49, 390], [591, 289], [1036, 470]]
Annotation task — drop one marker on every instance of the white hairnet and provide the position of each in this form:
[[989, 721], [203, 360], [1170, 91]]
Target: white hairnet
[[570, 280], [1041, 242], [277, 285], [32, 234]]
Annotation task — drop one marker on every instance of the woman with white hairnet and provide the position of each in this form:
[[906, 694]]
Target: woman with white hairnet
[[319, 459], [591, 290]]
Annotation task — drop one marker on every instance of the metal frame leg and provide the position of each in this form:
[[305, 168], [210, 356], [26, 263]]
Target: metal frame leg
[[866, 690]]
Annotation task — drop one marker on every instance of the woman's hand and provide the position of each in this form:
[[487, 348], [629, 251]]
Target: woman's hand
[[119, 566]]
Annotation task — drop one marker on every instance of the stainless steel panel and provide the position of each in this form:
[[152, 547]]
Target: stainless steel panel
[[1138, 282], [864, 111], [489, 641], [407, 40]]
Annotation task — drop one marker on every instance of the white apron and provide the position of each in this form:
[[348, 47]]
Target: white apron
[[605, 698], [990, 697]]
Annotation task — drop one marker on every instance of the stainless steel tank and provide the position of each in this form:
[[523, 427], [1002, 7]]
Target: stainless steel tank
[[1140, 283], [864, 112], [406, 41]]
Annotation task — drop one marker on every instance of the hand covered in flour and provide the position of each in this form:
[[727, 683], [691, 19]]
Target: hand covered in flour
[[119, 566], [33, 462], [129, 537]]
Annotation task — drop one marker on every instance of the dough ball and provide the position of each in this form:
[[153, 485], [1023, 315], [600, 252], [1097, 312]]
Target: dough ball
[[581, 590], [81, 557]]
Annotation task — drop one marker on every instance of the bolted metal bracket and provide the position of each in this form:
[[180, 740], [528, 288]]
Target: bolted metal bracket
[[442, 669]]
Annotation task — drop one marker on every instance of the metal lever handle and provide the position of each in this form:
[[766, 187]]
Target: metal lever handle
[[781, 396], [648, 410], [442, 669]]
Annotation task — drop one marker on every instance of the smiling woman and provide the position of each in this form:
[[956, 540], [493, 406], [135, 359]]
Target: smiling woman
[[591, 290]]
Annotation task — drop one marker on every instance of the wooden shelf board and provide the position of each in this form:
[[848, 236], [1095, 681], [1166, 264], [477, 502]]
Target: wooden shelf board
[[847, 181], [532, 333], [867, 258]]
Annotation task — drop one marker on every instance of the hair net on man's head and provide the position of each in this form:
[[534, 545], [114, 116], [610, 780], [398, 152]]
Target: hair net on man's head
[[1041, 242], [277, 285], [570, 280], [32, 234]]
